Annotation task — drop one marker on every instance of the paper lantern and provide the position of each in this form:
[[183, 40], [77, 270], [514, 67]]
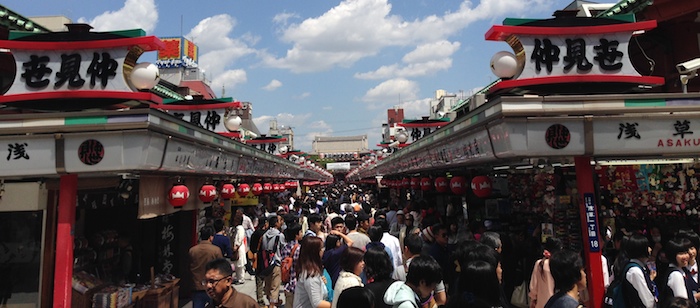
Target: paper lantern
[[384, 182], [442, 185], [227, 191], [405, 183], [207, 193], [178, 195], [145, 76], [243, 189], [267, 188], [426, 184], [277, 187], [458, 185], [482, 186], [415, 183], [257, 189]]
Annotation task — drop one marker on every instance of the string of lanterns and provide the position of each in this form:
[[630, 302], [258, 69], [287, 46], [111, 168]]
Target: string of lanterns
[[179, 194], [481, 186]]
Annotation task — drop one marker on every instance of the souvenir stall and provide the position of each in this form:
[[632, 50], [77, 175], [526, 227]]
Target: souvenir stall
[[535, 149], [101, 192]]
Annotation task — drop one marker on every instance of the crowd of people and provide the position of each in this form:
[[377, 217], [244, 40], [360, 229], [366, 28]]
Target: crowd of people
[[343, 248]]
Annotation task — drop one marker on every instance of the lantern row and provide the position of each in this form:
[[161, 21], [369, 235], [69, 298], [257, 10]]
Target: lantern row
[[179, 193], [481, 185]]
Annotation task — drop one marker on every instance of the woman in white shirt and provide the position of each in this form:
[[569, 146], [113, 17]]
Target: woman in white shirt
[[674, 284], [351, 264]]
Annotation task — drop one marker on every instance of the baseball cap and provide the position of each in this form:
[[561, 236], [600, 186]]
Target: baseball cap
[[362, 216]]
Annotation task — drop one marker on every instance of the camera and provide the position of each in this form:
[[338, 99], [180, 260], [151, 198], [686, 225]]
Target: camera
[[688, 66]]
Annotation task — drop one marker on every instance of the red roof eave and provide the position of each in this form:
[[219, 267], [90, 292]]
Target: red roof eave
[[147, 43], [500, 32]]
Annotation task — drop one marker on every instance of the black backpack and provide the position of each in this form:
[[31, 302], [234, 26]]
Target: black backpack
[[615, 295]]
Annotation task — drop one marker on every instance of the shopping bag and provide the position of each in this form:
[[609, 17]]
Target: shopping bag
[[520, 297]]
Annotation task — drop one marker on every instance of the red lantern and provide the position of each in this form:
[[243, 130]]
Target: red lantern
[[482, 186], [267, 188], [415, 183], [405, 183], [383, 182], [178, 195], [426, 184], [227, 191], [441, 184], [277, 187], [257, 189], [458, 185], [243, 189], [207, 193]]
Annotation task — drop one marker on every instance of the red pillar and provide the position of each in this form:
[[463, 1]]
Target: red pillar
[[589, 226], [63, 275]]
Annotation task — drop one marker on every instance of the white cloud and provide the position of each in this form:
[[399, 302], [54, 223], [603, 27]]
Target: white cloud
[[135, 14], [431, 52], [320, 128], [411, 70], [390, 92], [212, 35], [416, 109], [327, 108], [273, 85], [229, 80], [283, 18], [302, 96], [426, 59], [356, 29]]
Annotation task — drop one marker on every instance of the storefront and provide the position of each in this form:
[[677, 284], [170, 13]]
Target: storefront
[[546, 139], [101, 191]]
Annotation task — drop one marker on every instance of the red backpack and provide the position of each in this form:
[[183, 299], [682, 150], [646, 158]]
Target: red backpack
[[287, 264]]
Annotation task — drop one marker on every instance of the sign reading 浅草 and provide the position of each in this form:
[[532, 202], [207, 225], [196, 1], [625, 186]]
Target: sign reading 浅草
[[670, 134]]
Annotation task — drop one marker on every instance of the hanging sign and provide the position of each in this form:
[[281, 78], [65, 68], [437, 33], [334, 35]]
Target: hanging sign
[[591, 222], [629, 136], [83, 69]]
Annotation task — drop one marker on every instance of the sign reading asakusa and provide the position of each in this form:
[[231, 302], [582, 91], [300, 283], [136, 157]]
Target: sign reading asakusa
[[668, 135]]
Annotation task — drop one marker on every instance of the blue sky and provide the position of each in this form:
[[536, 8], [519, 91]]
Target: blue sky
[[323, 67]]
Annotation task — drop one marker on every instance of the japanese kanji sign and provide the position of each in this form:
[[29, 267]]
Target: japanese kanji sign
[[550, 53], [663, 135]]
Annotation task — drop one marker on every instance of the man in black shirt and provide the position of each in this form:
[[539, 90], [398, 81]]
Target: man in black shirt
[[254, 244]]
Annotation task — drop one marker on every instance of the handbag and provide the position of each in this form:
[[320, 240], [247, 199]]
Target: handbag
[[235, 255], [520, 297]]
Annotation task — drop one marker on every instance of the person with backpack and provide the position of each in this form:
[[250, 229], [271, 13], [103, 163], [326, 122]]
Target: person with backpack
[[633, 285], [674, 282], [269, 259], [290, 257]]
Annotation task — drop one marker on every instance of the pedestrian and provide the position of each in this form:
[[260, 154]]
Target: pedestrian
[[200, 255], [351, 265], [218, 282], [359, 240], [480, 290], [356, 297], [221, 240], [439, 251], [378, 269], [390, 242], [632, 272], [412, 248], [423, 275], [292, 235], [569, 278], [336, 244], [311, 291], [315, 226], [255, 243], [239, 248], [541, 280], [273, 241], [673, 282]]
